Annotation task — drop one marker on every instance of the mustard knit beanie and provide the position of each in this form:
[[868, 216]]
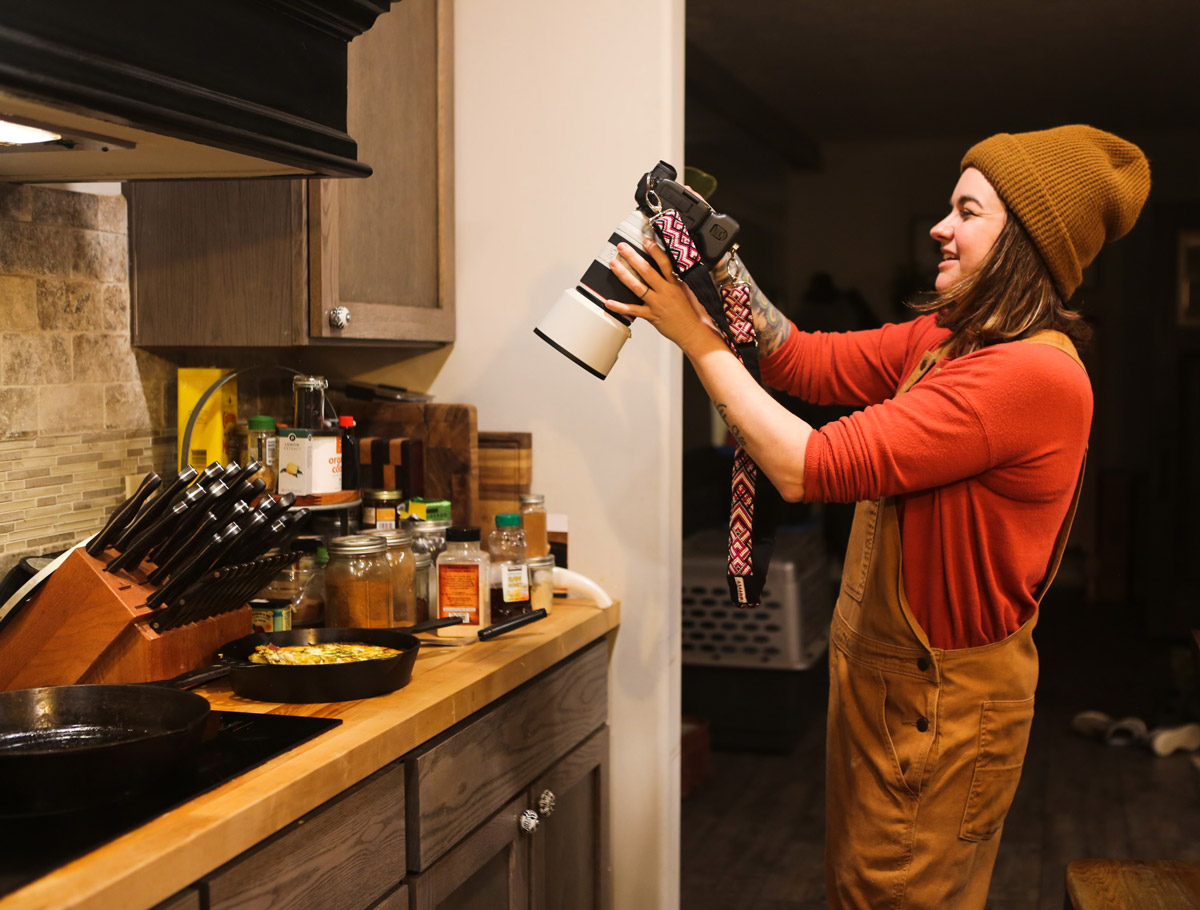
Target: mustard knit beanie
[[1072, 187]]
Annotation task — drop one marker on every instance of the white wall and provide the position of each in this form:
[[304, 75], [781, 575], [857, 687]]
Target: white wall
[[559, 108]]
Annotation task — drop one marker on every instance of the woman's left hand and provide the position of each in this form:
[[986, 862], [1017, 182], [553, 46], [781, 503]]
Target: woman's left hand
[[667, 303]]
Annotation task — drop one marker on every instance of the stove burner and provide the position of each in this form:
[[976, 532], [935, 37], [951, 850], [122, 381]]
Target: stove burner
[[31, 847]]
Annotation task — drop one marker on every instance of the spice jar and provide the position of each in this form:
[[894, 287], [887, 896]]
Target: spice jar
[[381, 508], [541, 583], [424, 593], [533, 519], [358, 583], [261, 445], [302, 583], [400, 557], [429, 537], [308, 402], [462, 583], [509, 576]]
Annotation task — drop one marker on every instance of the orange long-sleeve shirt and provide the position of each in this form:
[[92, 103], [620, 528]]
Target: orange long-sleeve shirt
[[982, 456]]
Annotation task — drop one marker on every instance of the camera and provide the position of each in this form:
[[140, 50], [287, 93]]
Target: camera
[[579, 325]]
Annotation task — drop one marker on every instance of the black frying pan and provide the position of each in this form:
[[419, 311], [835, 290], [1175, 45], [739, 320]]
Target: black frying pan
[[70, 747]]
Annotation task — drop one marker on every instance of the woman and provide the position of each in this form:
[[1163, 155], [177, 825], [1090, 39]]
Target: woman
[[966, 464]]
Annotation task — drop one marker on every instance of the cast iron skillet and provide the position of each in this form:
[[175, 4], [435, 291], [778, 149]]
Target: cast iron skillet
[[71, 747], [323, 682]]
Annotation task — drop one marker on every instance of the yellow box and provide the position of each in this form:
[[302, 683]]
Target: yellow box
[[215, 422]]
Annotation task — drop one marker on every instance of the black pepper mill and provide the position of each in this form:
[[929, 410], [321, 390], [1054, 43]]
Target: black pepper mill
[[349, 453]]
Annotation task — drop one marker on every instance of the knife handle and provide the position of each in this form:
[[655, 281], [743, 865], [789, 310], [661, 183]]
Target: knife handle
[[133, 554], [186, 529], [507, 625], [122, 514], [185, 551], [189, 571], [154, 508]]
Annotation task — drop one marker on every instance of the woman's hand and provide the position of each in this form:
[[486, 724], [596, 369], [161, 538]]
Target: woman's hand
[[667, 303]]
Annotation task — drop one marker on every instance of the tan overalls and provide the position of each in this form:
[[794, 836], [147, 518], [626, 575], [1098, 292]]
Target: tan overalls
[[925, 745]]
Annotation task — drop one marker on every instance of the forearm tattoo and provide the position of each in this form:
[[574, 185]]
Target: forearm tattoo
[[722, 409], [772, 327]]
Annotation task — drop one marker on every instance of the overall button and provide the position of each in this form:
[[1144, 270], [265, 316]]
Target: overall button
[[922, 664], [922, 724]]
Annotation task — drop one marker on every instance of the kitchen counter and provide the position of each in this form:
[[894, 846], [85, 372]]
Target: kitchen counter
[[153, 862]]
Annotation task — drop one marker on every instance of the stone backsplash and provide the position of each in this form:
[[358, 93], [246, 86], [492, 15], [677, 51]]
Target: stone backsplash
[[80, 408]]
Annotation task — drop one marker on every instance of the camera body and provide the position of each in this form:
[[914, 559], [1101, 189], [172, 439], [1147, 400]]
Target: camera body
[[579, 325]]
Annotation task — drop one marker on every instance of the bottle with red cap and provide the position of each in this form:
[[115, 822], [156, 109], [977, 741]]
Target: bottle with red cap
[[349, 453]]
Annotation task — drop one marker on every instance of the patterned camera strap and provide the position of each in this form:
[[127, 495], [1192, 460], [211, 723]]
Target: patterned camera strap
[[751, 535]]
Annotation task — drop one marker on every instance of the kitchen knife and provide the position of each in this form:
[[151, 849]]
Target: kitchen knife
[[273, 508], [243, 494], [254, 526], [132, 556], [209, 474], [154, 508], [215, 547], [122, 515], [185, 549], [232, 470], [252, 467], [507, 625], [186, 528]]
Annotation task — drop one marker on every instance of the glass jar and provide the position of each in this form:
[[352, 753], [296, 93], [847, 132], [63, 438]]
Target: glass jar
[[400, 557], [541, 583], [533, 519], [308, 402], [358, 583], [508, 574], [262, 445], [462, 583], [302, 584], [424, 592], [381, 509], [429, 537]]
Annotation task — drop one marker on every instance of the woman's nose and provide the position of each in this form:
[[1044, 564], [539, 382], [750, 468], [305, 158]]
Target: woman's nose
[[941, 231]]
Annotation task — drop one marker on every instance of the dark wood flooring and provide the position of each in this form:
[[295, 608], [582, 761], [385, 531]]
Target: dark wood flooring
[[752, 834]]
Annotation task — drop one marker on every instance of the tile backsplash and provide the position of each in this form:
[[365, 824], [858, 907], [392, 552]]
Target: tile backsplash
[[80, 408]]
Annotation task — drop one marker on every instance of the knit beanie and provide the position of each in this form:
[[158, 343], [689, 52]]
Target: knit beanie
[[1072, 187]]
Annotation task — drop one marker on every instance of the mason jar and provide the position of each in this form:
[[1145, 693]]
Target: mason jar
[[400, 557], [358, 583]]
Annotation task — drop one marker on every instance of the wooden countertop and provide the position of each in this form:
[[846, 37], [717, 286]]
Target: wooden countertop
[[151, 863]]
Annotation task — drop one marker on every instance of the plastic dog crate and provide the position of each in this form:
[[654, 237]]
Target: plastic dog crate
[[789, 631]]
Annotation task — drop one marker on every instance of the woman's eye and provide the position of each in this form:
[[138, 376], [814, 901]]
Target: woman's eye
[[966, 214]]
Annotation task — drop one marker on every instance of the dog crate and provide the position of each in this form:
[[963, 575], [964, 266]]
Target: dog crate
[[789, 631]]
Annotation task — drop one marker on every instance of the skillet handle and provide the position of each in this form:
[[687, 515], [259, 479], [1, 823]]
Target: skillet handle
[[432, 624], [193, 678]]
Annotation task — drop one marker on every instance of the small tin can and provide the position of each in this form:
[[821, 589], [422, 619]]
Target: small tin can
[[271, 615]]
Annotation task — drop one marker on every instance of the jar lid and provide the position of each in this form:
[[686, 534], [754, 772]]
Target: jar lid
[[421, 528], [383, 495], [394, 538], [533, 499], [540, 562], [423, 560], [356, 544], [309, 382], [345, 421], [462, 535], [261, 422], [508, 520]]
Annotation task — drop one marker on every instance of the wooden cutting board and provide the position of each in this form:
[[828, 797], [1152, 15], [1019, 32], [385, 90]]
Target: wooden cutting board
[[450, 434], [505, 472]]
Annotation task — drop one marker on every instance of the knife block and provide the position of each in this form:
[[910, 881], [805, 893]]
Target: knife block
[[85, 625]]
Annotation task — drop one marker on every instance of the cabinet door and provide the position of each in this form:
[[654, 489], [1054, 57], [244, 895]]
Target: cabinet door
[[382, 247], [570, 862], [487, 870]]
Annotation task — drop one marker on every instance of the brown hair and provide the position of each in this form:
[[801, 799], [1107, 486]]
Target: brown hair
[[1010, 296]]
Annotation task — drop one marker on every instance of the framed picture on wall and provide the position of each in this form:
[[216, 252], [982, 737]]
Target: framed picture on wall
[[1188, 281]]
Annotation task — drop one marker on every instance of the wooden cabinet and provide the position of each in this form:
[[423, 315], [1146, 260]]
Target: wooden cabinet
[[508, 810], [269, 263]]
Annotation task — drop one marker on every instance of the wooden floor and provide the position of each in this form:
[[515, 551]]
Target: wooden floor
[[752, 835]]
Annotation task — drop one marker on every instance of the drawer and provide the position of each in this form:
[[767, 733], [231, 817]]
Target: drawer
[[346, 853], [458, 780]]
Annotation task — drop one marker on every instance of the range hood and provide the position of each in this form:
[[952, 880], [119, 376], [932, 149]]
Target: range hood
[[152, 90]]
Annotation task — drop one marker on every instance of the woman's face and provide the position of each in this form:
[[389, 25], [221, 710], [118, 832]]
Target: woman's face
[[968, 232]]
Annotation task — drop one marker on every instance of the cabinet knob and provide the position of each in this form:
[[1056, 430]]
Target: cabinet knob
[[339, 317], [546, 803], [528, 821]]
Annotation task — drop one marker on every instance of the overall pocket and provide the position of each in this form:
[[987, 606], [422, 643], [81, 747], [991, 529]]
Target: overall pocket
[[859, 548], [1003, 736]]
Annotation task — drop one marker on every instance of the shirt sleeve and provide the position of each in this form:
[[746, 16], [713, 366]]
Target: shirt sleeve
[[1008, 404], [845, 368]]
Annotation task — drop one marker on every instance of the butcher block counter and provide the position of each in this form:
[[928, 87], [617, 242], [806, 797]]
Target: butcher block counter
[[364, 814]]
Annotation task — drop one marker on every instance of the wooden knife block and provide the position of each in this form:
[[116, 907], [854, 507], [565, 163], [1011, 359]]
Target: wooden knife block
[[86, 625]]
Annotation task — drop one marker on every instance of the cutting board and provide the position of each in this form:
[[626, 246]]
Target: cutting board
[[450, 436], [505, 472]]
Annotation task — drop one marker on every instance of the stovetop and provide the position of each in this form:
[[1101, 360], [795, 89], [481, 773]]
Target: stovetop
[[33, 847]]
